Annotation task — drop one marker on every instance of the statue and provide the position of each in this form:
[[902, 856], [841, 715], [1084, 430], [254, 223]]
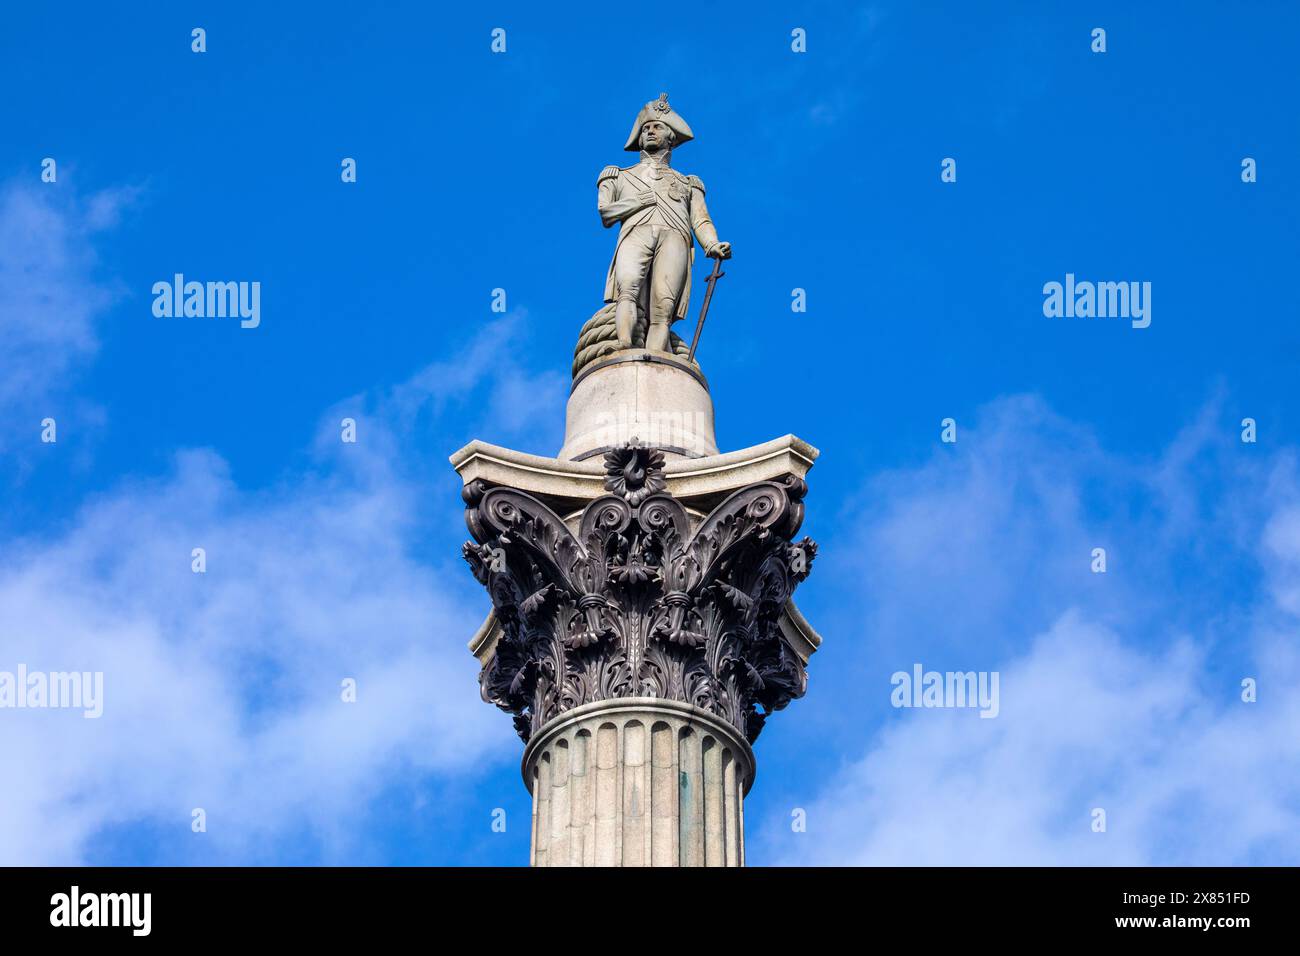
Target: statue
[[661, 212]]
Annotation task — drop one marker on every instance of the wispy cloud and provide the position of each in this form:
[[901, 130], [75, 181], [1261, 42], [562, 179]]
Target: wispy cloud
[[50, 297]]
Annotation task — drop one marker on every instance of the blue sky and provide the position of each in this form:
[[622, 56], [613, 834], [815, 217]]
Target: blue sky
[[477, 171]]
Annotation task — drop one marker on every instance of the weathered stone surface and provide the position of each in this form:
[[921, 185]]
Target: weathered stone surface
[[656, 398], [638, 782], [699, 483]]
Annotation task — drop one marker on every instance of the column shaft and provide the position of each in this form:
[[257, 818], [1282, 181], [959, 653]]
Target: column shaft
[[637, 782]]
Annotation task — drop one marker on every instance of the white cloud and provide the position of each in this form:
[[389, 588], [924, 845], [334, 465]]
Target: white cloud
[[222, 689], [1186, 774], [1126, 697]]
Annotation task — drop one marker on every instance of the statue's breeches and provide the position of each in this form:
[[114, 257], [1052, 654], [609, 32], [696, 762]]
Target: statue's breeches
[[659, 255]]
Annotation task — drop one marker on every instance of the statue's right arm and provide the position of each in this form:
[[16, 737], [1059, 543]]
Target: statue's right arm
[[613, 208]]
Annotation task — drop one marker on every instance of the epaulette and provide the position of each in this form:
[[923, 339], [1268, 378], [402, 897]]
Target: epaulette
[[696, 182], [609, 172]]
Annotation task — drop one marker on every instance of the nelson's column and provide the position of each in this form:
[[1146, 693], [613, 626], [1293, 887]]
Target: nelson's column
[[642, 626]]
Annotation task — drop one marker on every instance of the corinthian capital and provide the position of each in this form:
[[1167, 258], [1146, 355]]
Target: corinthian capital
[[635, 597]]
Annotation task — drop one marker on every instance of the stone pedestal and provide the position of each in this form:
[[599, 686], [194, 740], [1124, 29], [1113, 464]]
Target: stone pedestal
[[656, 398], [638, 782]]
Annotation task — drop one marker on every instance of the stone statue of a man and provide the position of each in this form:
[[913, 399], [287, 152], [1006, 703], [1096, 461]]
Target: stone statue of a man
[[659, 209]]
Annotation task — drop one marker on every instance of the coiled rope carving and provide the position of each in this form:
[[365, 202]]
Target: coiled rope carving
[[599, 337]]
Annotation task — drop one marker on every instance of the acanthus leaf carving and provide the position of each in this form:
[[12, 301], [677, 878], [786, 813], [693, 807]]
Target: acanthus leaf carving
[[635, 603]]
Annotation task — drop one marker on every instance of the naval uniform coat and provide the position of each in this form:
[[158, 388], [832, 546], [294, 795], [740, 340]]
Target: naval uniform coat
[[679, 201]]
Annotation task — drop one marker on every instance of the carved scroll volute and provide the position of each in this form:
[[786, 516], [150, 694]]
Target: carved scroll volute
[[667, 527], [522, 523], [745, 518], [795, 488], [604, 516], [663, 515], [472, 494], [542, 534]]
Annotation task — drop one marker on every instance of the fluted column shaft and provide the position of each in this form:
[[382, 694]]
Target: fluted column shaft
[[638, 781]]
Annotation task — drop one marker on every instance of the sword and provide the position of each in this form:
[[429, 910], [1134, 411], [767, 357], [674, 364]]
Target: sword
[[712, 280]]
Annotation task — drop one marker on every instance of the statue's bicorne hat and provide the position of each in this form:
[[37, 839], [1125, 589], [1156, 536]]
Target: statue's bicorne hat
[[661, 111]]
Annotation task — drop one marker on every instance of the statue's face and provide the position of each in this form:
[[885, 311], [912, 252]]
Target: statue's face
[[656, 135]]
